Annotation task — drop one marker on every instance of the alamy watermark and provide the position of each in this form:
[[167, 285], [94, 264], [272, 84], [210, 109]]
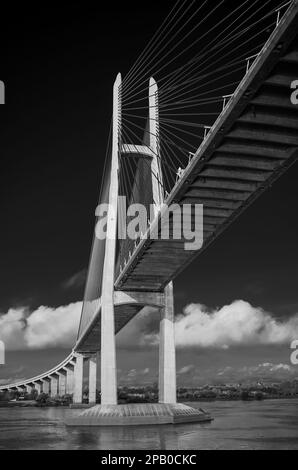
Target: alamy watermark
[[135, 223], [294, 345], [294, 355], [2, 92], [294, 95], [2, 353]]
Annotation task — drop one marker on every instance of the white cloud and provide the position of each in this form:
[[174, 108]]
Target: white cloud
[[44, 328], [232, 325], [132, 374], [186, 370], [265, 371], [236, 324], [275, 367], [137, 376]]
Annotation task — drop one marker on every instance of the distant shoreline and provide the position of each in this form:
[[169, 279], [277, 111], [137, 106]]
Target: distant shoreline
[[21, 403], [33, 403], [27, 404]]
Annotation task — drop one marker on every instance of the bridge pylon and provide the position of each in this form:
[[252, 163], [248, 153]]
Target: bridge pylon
[[167, 410], [167, 362]]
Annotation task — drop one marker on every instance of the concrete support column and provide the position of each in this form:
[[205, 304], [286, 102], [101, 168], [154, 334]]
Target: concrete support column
[[78, 380], [167, 355], [54, 386], [92, 379], [45, 386], [157, 180], [69, 381], [37, 386], [28, 388], [62, 384], [108, 381], [108, 344]]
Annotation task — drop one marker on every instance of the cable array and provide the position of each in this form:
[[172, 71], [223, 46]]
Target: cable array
[[198, 56]]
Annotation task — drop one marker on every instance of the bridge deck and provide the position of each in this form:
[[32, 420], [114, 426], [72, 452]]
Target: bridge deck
[[251, 144]]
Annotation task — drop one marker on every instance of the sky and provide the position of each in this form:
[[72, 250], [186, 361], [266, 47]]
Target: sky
[[239, 296]]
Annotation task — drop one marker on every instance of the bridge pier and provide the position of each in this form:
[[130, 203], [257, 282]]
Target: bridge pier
[[92, 379], [108, 369], [62, 383], [69, 379], [45, 386], [28, 389], [167, 353], [78, 380], [37, 386], [108, 412], [108, 383], [54, 386]]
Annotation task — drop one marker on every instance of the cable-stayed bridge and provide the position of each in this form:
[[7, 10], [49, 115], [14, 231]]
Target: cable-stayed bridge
[[215, 131]]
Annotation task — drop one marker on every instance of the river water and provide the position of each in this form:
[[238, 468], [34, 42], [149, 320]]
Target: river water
[[271, 424]]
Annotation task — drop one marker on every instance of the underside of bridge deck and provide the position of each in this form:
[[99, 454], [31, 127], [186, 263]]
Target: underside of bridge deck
[[252, 143], [91, 340]]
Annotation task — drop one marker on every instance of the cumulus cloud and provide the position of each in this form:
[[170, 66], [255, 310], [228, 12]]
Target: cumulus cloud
[[260, 372], [275, 367], [132, 374], [137, 376], [43, 328], [186, 370], [237, 324], [232, 325]]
